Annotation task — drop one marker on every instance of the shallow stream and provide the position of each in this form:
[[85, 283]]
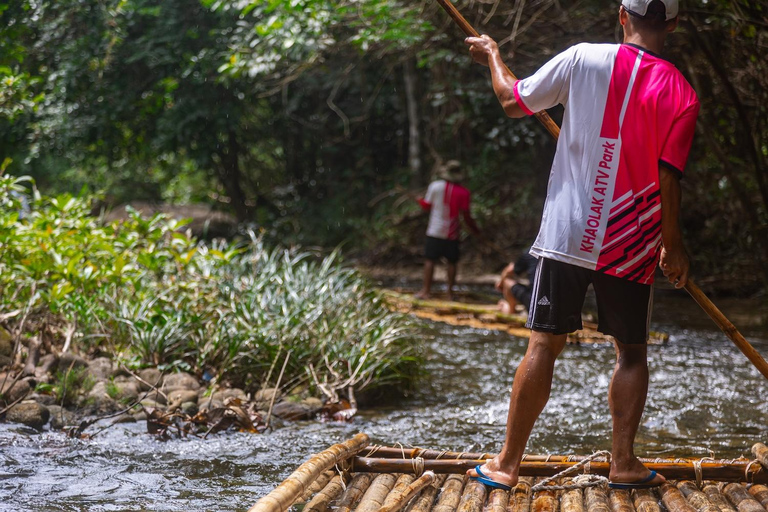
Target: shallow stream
[[704, 395]]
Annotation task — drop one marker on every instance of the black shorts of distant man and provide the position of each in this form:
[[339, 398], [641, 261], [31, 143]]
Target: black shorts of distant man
[[516, 284], [611, 213], [446, 201]]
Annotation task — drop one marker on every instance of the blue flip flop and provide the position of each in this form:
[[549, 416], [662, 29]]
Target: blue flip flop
[[641, 484], [487, 481]]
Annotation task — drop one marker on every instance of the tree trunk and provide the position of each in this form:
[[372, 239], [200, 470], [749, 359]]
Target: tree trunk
[[228, 170], [414, 135]]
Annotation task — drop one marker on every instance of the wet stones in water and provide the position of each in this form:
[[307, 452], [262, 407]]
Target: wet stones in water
[[98, 400], [293, 411], [29, 413], [61, 418]]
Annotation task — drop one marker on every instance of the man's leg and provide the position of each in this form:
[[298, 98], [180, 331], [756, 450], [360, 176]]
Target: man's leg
[[530, 393], [451, 279], [506, 291], [426, 287], [626, 397]]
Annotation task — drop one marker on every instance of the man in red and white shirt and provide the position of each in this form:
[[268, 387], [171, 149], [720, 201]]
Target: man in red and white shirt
[[447, 201], [610, 216]]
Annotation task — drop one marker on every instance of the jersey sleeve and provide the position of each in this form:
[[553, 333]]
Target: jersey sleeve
[[677, 147], [548, 86], [430, 196], [466, 201]]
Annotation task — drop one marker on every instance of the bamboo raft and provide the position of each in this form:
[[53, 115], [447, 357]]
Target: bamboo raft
[[355, 477], [484, 316]]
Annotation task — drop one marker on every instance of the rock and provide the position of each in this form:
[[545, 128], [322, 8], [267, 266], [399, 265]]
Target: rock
[[61, 417], [172, 389], [151, 377], [68, 360], [180, 380], [265, 395], [46, 364], [151, 404], [189, 408], [6, 343], [99, 401], [182, 395], [208, 405], [46, 400], [29, 413], [127, 390], [5, 361], [312, 404], [101, 368], [124, 418], [224, 394], [291, 411], [155, 396], [13, 391], [140, 416]]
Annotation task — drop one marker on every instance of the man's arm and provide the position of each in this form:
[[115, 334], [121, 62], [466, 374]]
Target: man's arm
[[424, 204], [485, 51], [674, 260]]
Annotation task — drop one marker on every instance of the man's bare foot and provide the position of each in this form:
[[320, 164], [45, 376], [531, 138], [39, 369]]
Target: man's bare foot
[[492, 470], [503, 306], [632, 473]]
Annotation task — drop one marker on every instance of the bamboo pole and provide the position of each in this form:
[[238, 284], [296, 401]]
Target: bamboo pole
[[498, 500], [520, 496], [545, 501], [741, 499], [294, 486], [696, 498], [731, 471], [596, 500], [645, 500], [451, 495], [424, 502], [715, 496], [760, 451], [411, 489], [473, 497], [673, 499], [374, 497], [321, 500], [760, 493], [572, 500], [402, 483], [620, 501], [695, 292], [355, 490], [315, 487]]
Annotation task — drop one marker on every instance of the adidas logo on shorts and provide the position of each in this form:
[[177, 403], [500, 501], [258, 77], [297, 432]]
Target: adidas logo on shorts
[[544, 301]]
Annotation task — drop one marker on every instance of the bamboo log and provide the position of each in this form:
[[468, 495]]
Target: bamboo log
[[596, 500], [715, 496], [620, 501], [402, 483], [673, 499], [355, 490], [424, 502], [572, 500], [760, 451], [731, 471], [315, 487], [294, 486], [377, 493], [696, 498], [760, 493], [473, 498], [323, 498], [520, 496], [413, 487], [545, 501], [451, 495], [645, 500], [741, 499], [497, 501]]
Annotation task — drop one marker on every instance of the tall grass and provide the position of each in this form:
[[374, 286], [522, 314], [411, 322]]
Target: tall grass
[[150, 294]]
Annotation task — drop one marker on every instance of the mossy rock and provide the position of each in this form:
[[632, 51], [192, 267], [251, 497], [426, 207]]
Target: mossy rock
[[6, 343]]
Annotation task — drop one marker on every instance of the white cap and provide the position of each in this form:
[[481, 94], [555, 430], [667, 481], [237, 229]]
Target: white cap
[[640, 7]]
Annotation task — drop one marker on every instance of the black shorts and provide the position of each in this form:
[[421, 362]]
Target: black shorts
[[522, 294], [623, 306], [436, 248]]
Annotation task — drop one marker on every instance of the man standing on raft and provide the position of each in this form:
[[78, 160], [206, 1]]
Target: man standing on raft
[[611, 213]]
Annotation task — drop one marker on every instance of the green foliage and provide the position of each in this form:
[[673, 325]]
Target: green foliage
[[155, 296]]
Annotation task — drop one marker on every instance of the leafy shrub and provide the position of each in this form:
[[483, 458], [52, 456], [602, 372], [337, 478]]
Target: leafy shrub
[[153, 295]]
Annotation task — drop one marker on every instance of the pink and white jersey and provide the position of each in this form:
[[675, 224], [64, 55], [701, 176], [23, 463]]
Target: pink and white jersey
[[627, 111], [446, 200]]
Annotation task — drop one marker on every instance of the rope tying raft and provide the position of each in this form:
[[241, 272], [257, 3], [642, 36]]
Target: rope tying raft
[[580, 482]]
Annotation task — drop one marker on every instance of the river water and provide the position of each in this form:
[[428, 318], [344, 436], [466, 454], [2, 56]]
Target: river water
[[704, 396]]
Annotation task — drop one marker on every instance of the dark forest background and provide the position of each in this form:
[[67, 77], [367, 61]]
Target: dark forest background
[[311, 120]]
